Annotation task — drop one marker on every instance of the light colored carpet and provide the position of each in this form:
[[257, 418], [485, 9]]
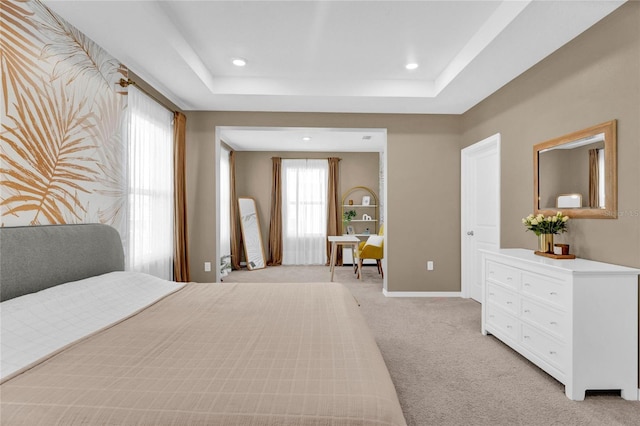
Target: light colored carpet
[[445, 371]]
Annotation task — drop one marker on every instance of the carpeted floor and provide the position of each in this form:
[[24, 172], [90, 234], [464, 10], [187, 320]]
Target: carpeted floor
[[445, 371]]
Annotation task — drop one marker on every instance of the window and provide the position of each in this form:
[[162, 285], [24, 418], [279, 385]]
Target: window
[[149, 237], [304, 212], [601, 179]]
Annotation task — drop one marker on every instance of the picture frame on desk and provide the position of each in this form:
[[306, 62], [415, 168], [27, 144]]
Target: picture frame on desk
[[366, 200], [350, 230]]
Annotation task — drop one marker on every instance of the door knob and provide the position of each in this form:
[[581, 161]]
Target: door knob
[[470, 233]]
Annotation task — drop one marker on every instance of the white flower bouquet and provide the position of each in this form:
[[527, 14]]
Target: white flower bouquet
[[539, 224]]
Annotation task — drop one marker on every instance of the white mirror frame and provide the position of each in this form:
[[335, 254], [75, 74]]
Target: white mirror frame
[[251, 234]]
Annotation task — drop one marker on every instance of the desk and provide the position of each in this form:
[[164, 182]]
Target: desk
[[343, 240]]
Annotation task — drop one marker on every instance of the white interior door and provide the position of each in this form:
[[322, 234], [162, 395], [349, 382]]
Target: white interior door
[[480, 203]]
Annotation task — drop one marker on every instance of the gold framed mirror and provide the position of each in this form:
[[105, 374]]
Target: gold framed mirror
[[582, 165]]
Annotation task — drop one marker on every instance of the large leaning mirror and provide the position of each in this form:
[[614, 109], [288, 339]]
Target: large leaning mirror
[[251, 234], [577, 173]]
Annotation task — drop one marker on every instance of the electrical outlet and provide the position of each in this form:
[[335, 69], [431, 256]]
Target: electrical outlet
[[207, 266], [430, 265]]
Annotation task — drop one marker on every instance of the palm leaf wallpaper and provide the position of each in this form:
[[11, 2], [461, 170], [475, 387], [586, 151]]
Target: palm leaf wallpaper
[[62, 157]]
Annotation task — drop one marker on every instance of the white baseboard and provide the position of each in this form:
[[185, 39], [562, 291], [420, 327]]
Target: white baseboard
[[421, 293]]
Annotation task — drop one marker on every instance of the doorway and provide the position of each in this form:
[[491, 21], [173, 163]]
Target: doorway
[[356, 146], [480, 210]]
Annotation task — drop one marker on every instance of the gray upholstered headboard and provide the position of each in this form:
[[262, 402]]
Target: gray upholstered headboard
[[33, 258]]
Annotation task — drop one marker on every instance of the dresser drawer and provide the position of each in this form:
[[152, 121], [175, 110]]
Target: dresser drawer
[[546, 347], [549, 319], [503, 298], [551, 290], [576, 319], [502, 322], [503, 274]]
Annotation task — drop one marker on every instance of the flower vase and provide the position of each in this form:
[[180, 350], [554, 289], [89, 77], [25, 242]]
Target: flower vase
[[545, 243]]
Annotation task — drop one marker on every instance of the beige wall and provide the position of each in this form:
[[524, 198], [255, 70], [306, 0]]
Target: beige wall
[[593, 79], [253, 176], [423, 181], [556, 176]]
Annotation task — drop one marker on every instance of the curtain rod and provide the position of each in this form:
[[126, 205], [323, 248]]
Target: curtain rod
[[305, 158], [128, 82]]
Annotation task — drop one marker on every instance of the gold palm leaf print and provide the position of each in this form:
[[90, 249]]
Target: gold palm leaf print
[[111, 156], [73, 52], [62, 157], [48, 157], [19, 51]]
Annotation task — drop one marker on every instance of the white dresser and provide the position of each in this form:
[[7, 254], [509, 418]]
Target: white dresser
[[575, 319]]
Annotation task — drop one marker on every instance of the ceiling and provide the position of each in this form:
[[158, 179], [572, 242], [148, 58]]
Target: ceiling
[[304, 139], [331, 56]]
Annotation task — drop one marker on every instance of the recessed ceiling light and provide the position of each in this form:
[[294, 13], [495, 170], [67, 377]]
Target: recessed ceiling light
[[306, 138], [239, 62], [411, 66]]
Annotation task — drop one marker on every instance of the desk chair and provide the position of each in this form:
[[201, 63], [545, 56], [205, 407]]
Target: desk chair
[[373, 248]]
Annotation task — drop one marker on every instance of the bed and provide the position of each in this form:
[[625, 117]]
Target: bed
[[175, 354]]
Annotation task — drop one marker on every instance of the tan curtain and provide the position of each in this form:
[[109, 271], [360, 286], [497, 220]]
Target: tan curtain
[[233, 214], [593, 179], [275, 222], [334, 212], [181, 250]]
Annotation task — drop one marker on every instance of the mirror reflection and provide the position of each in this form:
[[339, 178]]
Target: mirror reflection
[[576, 173], [572, 174], [251, 234]]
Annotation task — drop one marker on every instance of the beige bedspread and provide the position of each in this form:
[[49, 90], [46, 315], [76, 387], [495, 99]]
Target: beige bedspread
[[217, 354]]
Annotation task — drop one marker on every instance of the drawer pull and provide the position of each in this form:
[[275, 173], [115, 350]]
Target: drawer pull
[[552, 352], [509, 278], [509, 303], [527, 337], [509, 326], [553, 323], [527, 284], [492, 294], [553, 293], [526, 311], [491, 272]]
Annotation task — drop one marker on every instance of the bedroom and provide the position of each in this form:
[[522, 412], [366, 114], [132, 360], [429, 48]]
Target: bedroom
[[592, 79]]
